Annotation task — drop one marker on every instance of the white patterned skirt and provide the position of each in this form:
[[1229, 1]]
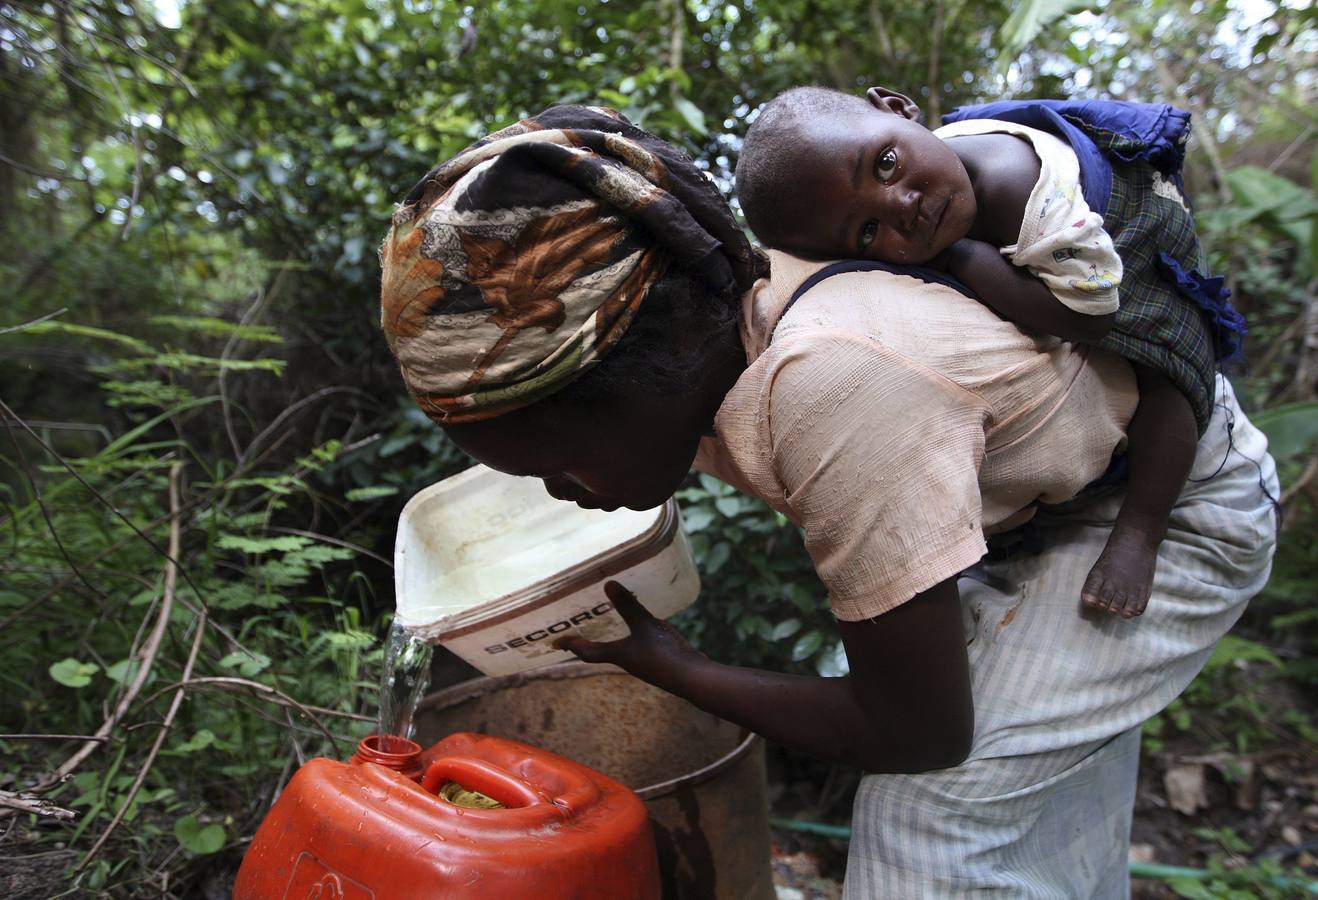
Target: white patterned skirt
[[1042, 806]]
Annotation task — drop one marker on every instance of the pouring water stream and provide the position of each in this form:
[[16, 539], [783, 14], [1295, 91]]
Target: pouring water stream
[[406, 676]]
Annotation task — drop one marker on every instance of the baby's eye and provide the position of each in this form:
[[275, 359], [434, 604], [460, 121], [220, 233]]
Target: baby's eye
[[868, 232], [886, 165]]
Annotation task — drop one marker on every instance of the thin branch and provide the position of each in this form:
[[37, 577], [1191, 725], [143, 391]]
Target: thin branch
[[156, 61], [275, 695], [45, 513], [155, 748], [4, 407], [295, 407], [1301, 140], [338, 542], [292, 737], [147, 657], [40, 173], [1263, 363], [193, 504], [934, 73], [1307, 477], [136, 194], [881, 35], [51, 737]]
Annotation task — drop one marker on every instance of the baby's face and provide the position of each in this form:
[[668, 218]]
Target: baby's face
[[877, 187]]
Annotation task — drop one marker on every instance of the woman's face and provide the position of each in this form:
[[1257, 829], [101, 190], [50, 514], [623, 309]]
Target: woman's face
[[633, 454]]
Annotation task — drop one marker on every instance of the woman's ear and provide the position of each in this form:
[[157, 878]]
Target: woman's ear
[[885, 100]]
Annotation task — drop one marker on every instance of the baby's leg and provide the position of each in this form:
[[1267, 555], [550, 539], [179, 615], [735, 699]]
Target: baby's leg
[[1160, 449]]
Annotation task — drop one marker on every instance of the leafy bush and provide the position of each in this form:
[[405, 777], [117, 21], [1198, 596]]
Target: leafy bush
[[761, 603]]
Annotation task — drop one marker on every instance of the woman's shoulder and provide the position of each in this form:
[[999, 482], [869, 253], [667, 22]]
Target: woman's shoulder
[[899, 316]]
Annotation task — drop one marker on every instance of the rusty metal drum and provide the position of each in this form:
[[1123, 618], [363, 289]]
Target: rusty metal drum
[[702, 779]]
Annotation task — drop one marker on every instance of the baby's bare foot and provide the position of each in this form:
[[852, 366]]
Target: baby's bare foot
[[1121, 581]]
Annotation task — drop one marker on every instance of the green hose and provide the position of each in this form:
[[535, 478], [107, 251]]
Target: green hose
[[1137, 870]]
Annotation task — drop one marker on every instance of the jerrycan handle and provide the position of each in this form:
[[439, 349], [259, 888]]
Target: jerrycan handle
[[479, 775]]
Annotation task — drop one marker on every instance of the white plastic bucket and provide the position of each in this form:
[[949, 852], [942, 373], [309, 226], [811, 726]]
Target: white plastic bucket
[[494, 569]]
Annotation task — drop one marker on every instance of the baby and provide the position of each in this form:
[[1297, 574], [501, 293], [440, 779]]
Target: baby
[[998, 206]]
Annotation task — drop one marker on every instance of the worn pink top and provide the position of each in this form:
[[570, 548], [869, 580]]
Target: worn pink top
[[897, 422]]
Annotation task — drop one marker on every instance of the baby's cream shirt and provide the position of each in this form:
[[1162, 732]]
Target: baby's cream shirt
[[895, 421], [1062, 241]]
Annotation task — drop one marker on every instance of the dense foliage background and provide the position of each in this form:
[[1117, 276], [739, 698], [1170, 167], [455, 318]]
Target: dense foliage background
[[205, 446]]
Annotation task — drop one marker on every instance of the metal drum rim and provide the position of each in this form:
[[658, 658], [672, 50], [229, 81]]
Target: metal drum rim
[[487, 684]]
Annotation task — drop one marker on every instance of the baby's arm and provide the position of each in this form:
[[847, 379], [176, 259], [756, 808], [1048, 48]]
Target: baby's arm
[[1017, 295], [1160, 449]]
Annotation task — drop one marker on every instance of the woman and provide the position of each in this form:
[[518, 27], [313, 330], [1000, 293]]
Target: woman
[[572, 301]]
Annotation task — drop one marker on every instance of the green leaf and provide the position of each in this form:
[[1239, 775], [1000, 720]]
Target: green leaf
[[729, 506], [396, 444], [1236, 649], [1262, 191], [200, 741], [713, 486], [718, 555], [11, 599], [1313, 248], [784, 630], [374, 492], [696, 519], [691, 114], [247, 664], [283, 543], [1292, 429], [1027, 20], [208, 325], [240, 595], [86, 331], [806, 645], [1191, 888], [123, 671], [197, 838], [73, 673]]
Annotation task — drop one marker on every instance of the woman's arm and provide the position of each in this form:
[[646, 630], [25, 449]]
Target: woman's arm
[[1016, 295], [905, 707]]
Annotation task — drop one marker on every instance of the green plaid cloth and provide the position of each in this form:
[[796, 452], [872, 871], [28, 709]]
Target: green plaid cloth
[[1157, 326]]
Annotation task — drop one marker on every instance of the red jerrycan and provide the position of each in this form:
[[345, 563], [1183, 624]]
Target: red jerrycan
[[365, 829]]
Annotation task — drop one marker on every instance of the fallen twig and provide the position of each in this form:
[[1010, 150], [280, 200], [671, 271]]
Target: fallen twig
[[27, 803]]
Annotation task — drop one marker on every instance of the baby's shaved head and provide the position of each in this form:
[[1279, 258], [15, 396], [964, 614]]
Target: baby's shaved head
[[774, 149]]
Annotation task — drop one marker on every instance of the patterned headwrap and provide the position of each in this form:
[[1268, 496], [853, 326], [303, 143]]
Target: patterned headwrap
[[514, 267]]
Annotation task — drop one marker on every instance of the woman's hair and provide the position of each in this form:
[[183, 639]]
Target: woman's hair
[[678, 331]]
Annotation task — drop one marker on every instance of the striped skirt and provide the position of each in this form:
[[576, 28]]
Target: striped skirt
[[1042, 806]]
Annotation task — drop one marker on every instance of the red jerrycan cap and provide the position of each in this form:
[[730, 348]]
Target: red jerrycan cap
[[392, 752]]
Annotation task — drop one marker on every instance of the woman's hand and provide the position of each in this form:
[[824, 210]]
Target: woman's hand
[[653, 652], [905, 707]]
